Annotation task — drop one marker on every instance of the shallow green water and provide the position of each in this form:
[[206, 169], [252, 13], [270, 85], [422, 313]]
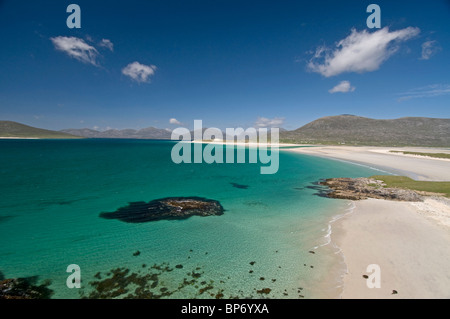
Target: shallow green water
[[52, 193]]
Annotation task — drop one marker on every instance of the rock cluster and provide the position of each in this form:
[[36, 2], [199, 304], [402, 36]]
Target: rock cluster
[[24, 288], [166, 208], [363, 188]]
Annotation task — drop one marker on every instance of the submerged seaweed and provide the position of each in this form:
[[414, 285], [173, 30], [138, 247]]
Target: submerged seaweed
[[166, 208], [5, 218], [155, 282], [321, 191], [24, 288], [239, 186]]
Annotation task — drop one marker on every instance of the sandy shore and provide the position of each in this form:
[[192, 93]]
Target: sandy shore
[[409, 241], [416, 167]]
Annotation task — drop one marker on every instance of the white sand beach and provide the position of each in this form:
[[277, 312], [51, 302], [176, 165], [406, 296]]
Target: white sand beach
[[416, 167], [412, 250], [410, 241]]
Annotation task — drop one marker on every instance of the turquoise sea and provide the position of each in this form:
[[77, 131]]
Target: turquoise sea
[[53, 191]]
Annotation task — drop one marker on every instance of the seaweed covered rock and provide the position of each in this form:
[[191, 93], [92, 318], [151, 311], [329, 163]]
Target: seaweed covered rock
[[363, 188], [24, 288], [166, 208]]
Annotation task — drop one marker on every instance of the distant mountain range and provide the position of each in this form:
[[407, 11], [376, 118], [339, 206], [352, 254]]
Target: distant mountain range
[[145, 133], [331, 130]]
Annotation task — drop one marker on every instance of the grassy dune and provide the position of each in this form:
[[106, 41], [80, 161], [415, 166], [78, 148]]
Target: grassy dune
[[436, 155], [408, 183]]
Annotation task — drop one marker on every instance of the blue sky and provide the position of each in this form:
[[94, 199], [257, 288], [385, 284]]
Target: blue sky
[[135, 64]]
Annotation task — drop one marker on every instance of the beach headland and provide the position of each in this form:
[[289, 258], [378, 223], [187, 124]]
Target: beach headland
[[408, 240]]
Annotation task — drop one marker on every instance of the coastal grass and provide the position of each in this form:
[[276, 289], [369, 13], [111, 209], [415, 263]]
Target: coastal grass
[[408, 183], [436, 155]]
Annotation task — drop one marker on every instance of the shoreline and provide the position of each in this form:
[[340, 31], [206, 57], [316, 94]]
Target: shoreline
[[411, 249], [19, 138], [410, 241], [417, 167]]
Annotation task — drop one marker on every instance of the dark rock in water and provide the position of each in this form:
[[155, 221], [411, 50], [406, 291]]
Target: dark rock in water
[[24, 288], [179, 266], [137, 253], [166, 208], [5, 218], [239, 186], [321, 190], [264, 291]]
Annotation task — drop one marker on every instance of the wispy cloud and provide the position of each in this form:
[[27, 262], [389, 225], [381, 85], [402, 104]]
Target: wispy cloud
[[105, 43], [266, 122], [343, 87], [174, 121], [429, 48], [426, 92], [76, 48], [359, 52], [139, 72]]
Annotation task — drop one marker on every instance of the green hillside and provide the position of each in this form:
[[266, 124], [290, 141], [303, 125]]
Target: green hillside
[[356, 130], [14, 129]]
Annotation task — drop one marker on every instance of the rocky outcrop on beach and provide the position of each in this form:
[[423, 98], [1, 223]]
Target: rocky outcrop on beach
[[363, 188], [166, 208]]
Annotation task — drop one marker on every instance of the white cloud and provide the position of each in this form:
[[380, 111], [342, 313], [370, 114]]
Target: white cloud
[[343, 87], [426, 91], [429, 48], [266, 122], [174, 121], [105, 43], [139, 72], [359, 52], [76, 48]]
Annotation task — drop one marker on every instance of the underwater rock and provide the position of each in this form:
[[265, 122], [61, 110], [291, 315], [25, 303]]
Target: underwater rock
[[166, 208], [24, 288], [5, 218], [264, 291], [239, 186]]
